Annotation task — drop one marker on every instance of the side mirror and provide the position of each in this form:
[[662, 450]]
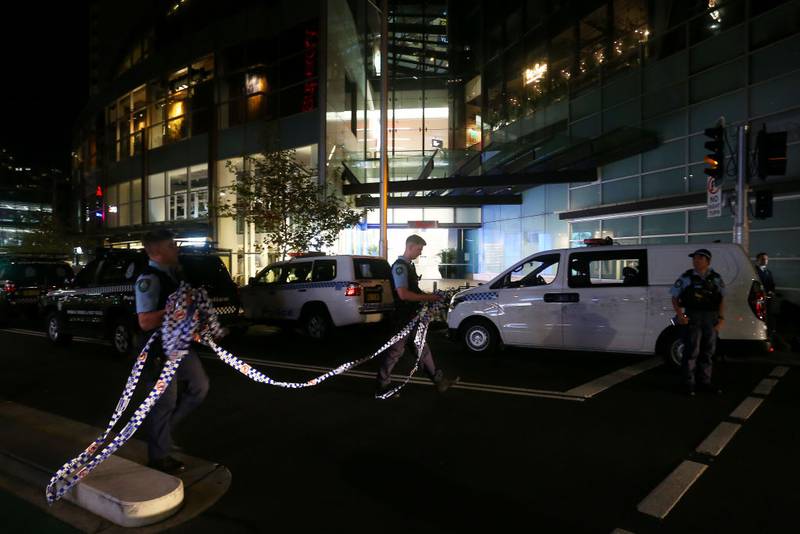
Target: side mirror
[[251, 281]]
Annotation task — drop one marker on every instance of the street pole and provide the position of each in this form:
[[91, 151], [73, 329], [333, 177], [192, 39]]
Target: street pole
[[384, 203], [741, 225]]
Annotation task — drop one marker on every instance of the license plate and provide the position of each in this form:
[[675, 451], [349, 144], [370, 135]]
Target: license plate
[[372, 297], [29, 293]]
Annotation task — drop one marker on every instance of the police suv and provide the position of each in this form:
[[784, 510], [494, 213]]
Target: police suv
[[605, 298], [101, 301], [320, 292], [24, 278]]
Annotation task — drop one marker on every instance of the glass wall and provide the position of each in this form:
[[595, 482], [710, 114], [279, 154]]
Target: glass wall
[[178, 194]]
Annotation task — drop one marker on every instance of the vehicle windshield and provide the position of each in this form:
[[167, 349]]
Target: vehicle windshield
[[53, 274], [539, 271]]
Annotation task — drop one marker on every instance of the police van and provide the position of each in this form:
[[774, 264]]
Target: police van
[[101, 301], [320, 292], [606, 298]]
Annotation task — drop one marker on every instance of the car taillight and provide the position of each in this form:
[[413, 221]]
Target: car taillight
[[758, 301], [353, 290], [9, 287]]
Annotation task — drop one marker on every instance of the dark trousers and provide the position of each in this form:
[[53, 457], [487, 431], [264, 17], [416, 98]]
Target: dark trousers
[[172, 408], [396, 351], [700, 343]]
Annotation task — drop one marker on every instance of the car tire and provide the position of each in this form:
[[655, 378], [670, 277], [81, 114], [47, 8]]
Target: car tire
[[479, 336], [670, 347], [316, 323], [123, 338], [55, 327]]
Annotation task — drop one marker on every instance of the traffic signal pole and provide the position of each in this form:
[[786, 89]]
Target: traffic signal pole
[[741, 224], [384, 198]]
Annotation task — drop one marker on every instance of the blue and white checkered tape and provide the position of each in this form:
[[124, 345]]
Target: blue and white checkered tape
[[484, 295]]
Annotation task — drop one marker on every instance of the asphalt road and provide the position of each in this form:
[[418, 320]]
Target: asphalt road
[[514, 450]]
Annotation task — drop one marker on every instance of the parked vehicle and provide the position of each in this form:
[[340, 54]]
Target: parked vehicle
[[605, 298], [320, 292], [101, 302], [24, 278]]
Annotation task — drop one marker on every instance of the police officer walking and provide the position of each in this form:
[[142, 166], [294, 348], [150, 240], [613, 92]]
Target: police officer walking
[[159, 280], [698, 300], [407, 297]]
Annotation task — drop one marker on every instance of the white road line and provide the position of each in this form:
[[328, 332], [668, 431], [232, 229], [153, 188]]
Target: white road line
[[779, 372], [590, 389], [746, 408], [621, 531], [718, 439], [667, 494], [473, 386], [765, 386]]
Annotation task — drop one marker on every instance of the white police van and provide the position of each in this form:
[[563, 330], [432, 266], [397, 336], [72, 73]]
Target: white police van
[[605, 298], [320, 292]]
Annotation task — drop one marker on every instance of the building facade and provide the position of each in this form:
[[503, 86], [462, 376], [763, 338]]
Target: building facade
[[539, 122]]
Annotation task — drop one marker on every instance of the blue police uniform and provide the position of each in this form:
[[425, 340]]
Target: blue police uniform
[[700, 295], [153, 288], [404, 275]]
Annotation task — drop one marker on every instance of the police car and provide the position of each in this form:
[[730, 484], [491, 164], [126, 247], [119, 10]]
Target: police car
[[605, 298], [101, 301], [320, 292], [24, 278]]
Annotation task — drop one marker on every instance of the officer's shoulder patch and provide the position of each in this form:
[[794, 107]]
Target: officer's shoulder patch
[[399, 270], [143, 284]]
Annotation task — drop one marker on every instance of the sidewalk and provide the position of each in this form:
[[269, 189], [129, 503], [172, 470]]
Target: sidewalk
[[34, 444]]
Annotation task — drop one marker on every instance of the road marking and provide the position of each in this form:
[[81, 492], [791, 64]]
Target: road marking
[[718, 439], [765, 386], [36, 333], [663, 499], [590, 389], [779, 372], [746, 408], [472, 386], [621, 531]]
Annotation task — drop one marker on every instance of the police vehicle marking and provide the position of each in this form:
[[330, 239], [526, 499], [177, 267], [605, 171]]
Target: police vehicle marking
[[490, 295]]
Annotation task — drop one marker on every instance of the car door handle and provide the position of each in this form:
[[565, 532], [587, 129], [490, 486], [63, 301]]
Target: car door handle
[[561, 297]]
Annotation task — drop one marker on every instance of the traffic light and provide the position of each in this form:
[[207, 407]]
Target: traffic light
[[762, 208], [771, 153], [716, 159]]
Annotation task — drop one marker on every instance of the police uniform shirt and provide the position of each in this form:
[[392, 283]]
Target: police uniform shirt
[[148, 288], [685, 281], [400, 273]]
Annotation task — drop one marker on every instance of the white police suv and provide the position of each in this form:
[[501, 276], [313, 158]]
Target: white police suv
[[605, 298], [320, 292]]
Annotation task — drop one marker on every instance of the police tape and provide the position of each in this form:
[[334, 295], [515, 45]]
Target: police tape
[[190, 316]]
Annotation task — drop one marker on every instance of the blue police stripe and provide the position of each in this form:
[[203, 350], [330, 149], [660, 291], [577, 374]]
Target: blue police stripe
[[486, 295]]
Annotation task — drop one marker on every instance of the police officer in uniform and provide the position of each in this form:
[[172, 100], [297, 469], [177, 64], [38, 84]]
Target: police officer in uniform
[[158, 281], [408, 297], [698, 299]]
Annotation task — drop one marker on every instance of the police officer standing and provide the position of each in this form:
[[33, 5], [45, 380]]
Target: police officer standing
[[159, 280], [407, 297], [768, 284], [698, 300]]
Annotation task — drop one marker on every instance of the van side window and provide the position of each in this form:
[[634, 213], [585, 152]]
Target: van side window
[[297, 273], [85, 276], [607, 268], [538, 271], [324, 271]]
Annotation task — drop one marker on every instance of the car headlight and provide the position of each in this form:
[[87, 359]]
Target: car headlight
[[456, 301]]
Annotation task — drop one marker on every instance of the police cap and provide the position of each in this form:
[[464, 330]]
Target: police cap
[[701, 252]]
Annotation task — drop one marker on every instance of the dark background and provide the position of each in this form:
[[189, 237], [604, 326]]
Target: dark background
[[45, 81]]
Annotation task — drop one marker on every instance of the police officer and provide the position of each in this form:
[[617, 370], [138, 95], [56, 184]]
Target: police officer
[[407, 297], [158, 281], [698, 300], [768, 284]]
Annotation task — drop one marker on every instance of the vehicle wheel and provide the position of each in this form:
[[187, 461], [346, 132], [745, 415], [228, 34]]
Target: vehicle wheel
[[56, 329], [122, 338], [316, 323], [479, 336], [670, 347]]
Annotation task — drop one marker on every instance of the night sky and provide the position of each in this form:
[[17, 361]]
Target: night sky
[[45, 79]]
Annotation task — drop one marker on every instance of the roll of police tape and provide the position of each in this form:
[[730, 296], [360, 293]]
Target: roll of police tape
[[190, 316]]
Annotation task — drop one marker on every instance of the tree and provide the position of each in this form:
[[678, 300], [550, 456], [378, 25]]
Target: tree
[[282, 199]]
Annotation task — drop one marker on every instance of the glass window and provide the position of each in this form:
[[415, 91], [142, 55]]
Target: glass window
[[468, 215], [671, 182], [297, 273], [584, 230], [611, 268], [270, 275], [667, 155], [371, 269], [663, 223], [622, 227], [156, 210], [584, 197], [539, 271], [621, 190], [155, 185], [85, 277], [699, 222], [324, 271]]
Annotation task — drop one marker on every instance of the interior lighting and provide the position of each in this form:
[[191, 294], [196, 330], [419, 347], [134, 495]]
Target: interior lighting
[[535, 73]]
